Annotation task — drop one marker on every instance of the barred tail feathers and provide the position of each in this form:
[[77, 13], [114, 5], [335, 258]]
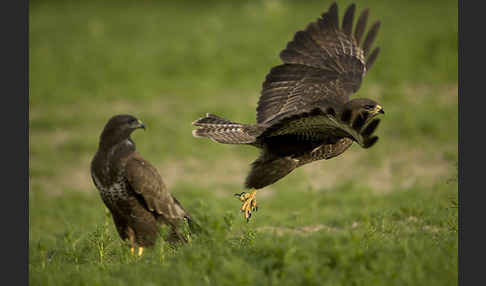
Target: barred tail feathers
[[223, 131], [194, 227]]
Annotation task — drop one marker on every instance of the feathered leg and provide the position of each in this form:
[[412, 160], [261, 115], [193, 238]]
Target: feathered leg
[[266, 170]]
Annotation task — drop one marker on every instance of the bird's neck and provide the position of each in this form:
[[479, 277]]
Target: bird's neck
[[126, 144]]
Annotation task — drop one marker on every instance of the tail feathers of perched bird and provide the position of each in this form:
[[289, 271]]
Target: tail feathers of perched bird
[[194, 227], [224, 131]]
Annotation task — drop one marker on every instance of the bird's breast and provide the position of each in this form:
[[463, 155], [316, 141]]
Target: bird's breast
[[118, 191], [114, 191]]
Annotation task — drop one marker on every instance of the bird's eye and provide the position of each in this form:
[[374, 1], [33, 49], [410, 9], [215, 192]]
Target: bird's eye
[[369, 106]]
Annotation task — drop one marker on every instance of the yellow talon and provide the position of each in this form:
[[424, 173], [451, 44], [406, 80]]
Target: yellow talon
[[249, 203], [140, 251]]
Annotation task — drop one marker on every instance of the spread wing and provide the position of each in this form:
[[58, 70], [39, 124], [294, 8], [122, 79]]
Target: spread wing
[[269, 168], [325, 151], [325, 124], [146, 181], [324, 61]]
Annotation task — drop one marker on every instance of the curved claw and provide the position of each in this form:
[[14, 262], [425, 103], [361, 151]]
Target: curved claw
[[243, 196], [249, 203]]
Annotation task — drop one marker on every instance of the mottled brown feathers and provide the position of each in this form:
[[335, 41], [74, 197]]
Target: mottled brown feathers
[[323, 61], [131, 187], [146, 181], [304, 112]]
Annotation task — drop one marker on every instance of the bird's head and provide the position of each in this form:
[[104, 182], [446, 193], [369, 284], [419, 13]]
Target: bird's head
[[364, 106], [119, 128]]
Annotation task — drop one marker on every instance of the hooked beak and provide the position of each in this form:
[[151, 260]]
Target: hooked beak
[[141, 125], [378, 109]]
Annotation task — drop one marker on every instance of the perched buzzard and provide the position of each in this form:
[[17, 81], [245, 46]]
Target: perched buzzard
[[304, 113], [131, 187]]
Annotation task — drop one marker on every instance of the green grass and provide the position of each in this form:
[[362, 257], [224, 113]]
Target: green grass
[[382, 216]]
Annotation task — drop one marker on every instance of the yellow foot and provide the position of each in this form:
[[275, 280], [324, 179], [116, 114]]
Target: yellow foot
[[140, 251], [249, 203]]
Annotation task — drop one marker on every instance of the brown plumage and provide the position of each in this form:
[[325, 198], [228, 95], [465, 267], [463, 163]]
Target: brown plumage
[[304, 113], [131, 187]]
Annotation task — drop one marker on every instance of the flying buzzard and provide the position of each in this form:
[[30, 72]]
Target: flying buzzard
[[131, 187], [304, 113]]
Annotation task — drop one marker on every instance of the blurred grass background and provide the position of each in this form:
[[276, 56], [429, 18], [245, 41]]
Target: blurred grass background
[[382, 216]]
